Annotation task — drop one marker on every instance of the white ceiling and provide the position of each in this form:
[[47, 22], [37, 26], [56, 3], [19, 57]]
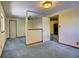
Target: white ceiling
[[19, 8]]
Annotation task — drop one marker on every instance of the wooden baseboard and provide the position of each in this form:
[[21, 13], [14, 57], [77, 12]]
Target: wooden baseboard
[[33, 43], [20, 36], [16, 37], [69, 45], [8, 38]]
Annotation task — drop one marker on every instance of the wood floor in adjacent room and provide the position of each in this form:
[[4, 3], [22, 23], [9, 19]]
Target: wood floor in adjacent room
[[15, 48]]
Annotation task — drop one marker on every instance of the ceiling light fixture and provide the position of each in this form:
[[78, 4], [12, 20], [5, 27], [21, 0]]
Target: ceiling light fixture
[[47, 4]]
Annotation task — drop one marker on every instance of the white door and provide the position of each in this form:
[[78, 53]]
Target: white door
[[12, 29], [46, 29]]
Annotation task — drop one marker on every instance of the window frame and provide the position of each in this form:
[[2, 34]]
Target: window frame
[[2, 23]]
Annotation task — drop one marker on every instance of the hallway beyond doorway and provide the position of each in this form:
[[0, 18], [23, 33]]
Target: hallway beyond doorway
[[54, 29]]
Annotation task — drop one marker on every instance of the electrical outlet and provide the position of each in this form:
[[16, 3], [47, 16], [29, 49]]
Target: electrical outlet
[[77, 43]]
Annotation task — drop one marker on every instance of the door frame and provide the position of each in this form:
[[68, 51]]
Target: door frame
[[10, 29]]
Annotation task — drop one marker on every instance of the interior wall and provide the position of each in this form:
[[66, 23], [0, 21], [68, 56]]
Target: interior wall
[[2, 34], [69, 30], [51, 27], [43, 24], [20, 26], [7, 30], [34, 32], [35, 23], [69, 26]]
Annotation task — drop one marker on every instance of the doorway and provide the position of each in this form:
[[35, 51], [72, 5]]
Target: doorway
[[54, 28], [12, 29]]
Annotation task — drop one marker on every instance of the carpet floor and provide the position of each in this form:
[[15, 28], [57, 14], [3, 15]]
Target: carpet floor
[[16, 48]]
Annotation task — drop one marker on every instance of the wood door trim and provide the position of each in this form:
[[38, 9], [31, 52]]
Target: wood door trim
[[10, 29]]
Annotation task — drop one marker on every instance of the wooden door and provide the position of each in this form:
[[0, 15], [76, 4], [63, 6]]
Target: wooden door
[[12, 27]]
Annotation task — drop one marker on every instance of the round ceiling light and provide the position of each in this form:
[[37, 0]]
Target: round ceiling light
[[47, 4]]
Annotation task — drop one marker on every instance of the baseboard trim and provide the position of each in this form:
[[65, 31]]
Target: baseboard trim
[[69, 45], [8, 38], [20, 36], [33, 43], [16, 37]]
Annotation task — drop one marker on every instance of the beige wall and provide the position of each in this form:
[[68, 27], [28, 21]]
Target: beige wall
[[35, 23], [20, 27], [2, 34], [7, 29], [69, 26], [69, 31], [39, 35], [35, 35]]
